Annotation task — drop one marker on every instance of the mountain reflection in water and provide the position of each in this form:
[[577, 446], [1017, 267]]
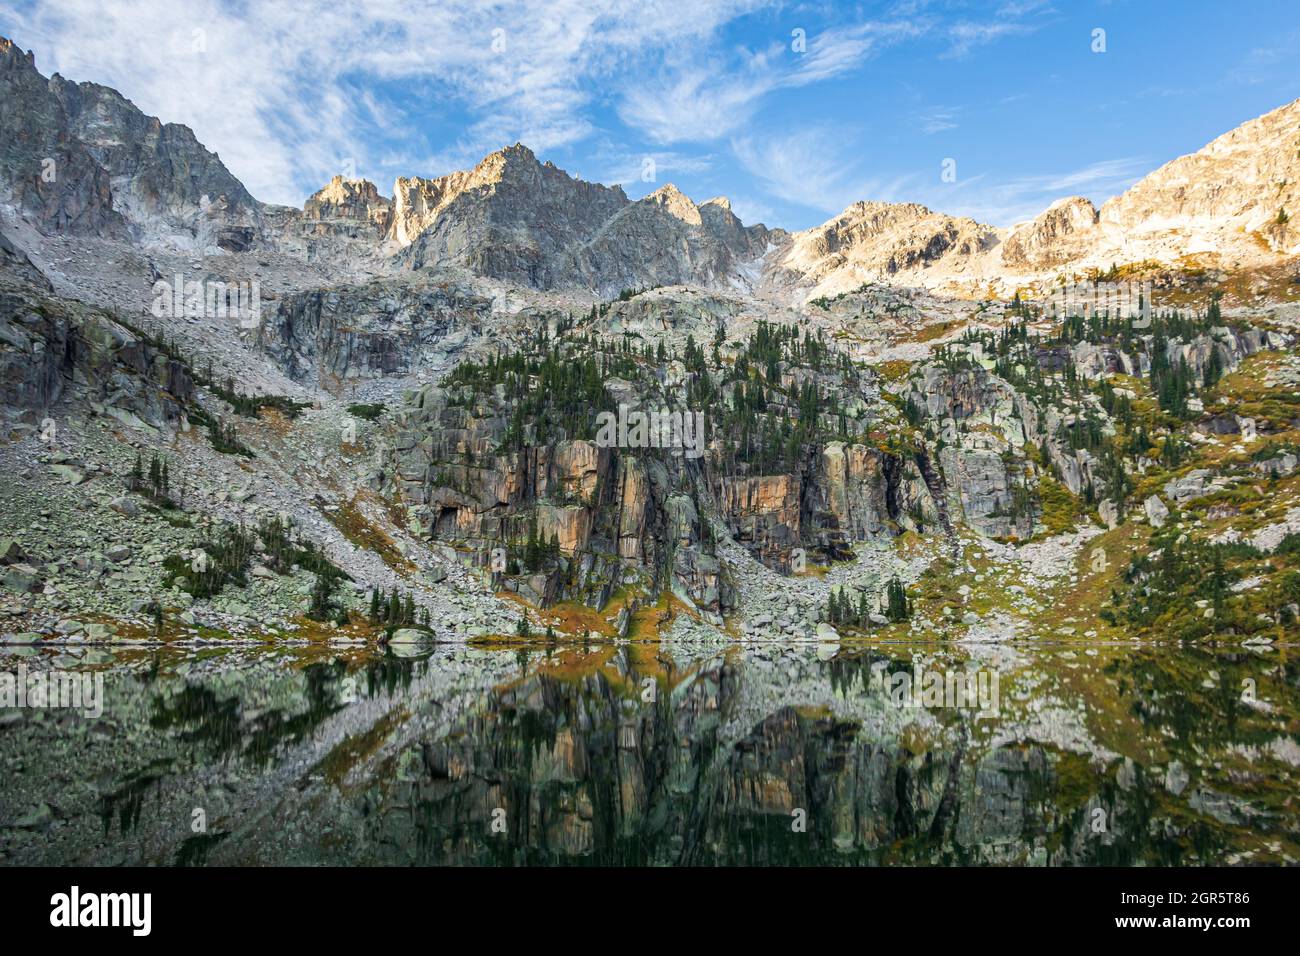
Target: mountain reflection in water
[[662, 754]]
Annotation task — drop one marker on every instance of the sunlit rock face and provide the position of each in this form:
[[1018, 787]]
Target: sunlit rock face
[[1221, 199], [1057, 235], [352, 207], [871, 241], [1228, 203]]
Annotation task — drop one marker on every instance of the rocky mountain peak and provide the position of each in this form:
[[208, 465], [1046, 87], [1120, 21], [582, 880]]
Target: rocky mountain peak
[[343, 188], [514, 217], [12, 56], [510, 161], [874, 240], [115, 167], [675, 203], [1053, 237], [1234, 194], [349, 207]]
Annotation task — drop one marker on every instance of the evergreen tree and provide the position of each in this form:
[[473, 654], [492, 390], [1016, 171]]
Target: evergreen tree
[[897, 607], [321, 593]]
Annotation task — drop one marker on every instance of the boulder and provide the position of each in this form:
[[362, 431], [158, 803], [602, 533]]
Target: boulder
[[1157, 511], [22, 578], [11, 552]]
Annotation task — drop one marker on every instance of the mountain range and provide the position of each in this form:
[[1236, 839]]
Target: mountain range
[[399, 393], [652, 534], [515, 219]]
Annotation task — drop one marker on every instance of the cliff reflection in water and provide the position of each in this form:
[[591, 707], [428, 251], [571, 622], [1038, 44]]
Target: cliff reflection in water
[[649, 754]]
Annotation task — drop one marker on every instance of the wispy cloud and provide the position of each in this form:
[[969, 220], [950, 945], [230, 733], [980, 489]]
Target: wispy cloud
[[1004, 202], [692, 101], [615, 163], [967, 35], [812, 168], [1261, 63], [937, 119]]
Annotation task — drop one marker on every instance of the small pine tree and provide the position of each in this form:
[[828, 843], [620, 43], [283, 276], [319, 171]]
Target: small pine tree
[[321, 593], [897, 607]]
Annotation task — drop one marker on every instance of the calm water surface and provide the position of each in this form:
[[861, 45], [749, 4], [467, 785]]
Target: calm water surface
[[658, 754]]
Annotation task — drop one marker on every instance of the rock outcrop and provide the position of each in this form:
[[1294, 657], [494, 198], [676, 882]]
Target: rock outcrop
[[45, 171], [330, 336], [874, 240], [53, 351], [1056, 236]]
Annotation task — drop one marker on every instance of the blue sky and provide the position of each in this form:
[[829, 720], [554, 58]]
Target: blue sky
[[719, 97]]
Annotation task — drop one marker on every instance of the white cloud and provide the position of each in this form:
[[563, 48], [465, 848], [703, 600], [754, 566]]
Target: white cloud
[[1004, 202], [965, 36], [937, 119], [291, 93], [810, 168], [691, 100], [284, 92]]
